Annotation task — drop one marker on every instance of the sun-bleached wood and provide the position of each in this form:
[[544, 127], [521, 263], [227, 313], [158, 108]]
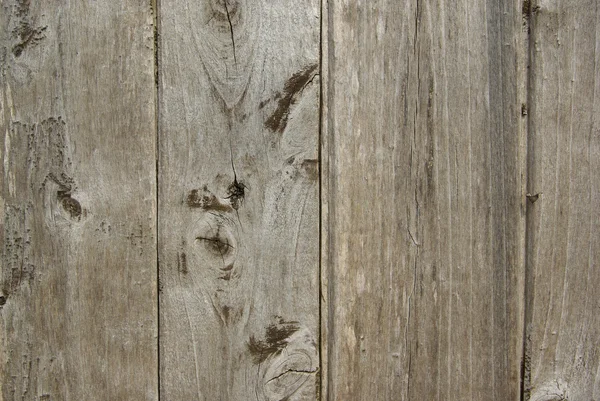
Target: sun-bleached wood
[[78, 318], [425, 197], [432, 285], [238, 200], [563, 226]]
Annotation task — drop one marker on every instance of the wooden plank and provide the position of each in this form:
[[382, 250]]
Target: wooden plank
[[563, 331], [238, 200], [425, 200], [78, 318]]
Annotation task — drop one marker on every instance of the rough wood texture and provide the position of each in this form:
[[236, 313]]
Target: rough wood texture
[[426, 200], [432, 284], [238, 200], [563, 331], [78, 318]]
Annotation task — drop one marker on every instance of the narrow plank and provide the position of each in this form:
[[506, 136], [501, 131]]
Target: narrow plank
[[563, 236], [425, 200], [238, 200], [78, 318]]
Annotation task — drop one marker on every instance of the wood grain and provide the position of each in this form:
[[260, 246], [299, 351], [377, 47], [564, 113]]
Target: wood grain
[[238, 200], [563, 236], [78, 318], [425, 182]]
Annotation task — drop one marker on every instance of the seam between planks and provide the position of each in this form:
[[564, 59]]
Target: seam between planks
[[155, 4], [324, 232], [324, 191], [320, 197], [528, 14]]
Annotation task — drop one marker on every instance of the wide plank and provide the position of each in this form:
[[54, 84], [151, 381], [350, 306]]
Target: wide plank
[[425, 199], [238, 199], [78, 299], [563, 224]]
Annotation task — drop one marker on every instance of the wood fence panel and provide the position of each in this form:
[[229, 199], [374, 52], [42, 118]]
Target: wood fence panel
[[563, 235], [238, 200], [78, 299], [412, 199], [425, 199]]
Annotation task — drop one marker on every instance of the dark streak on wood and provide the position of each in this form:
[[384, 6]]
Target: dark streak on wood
[[278, 120], [526, 10], [276, 338], [526, 369], [226, 309], [182, 263], [263, 103], [206, 200], [184, 268]]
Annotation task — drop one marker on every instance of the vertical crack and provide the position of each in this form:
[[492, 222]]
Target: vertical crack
[[231, 31]]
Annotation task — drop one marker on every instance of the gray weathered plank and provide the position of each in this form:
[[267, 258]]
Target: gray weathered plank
[[238, 200], [78, 311], [563, 235], [425, 199]]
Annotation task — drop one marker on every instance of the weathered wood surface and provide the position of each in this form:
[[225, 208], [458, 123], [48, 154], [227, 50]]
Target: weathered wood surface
[[78, 312], [425, 217], [563, 227], [238, 200], [432, 285]]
